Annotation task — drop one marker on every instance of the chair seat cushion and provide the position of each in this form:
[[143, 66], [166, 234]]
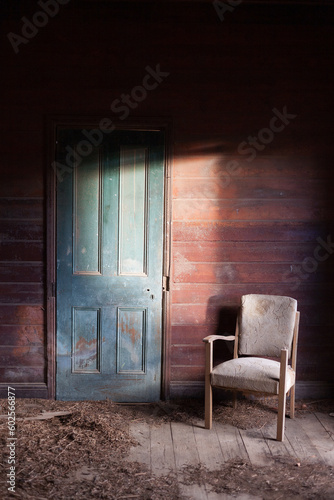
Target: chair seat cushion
[[251, 374]]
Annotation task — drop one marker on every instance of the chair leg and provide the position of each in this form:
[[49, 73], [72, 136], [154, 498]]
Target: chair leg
[[208, 388], [292, 402], [282, 395], [281, 417], [208, 405]]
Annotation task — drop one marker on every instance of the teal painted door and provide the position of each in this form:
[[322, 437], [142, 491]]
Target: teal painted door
[[109, 266]]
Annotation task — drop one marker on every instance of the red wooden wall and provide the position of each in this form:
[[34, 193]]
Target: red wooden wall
[[252, 226]]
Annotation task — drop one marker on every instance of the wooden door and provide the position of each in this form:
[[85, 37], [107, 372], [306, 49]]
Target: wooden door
[[109, 267]]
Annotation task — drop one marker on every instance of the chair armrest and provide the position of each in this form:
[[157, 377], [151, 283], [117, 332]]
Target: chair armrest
[[209, 352], [212, 338]]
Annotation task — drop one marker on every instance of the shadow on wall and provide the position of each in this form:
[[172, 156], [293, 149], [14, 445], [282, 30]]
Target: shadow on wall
[[225, 321]]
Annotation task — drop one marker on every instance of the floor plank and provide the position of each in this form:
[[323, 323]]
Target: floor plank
[[162, 451], [230, 441], [184, 443], [186, 454], [277, 448], [320, 438], [225, 496], [256, 447], [171, 447], [140, 431], [208, 447], [193, 491], [303, 448], [327, 421]]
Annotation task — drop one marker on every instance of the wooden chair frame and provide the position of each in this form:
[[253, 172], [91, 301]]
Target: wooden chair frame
[[209, 341]]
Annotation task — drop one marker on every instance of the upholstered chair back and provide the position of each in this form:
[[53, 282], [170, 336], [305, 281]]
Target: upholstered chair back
[[266, 325]]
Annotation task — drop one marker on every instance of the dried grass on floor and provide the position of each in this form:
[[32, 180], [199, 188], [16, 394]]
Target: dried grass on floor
[[249, 413], [82, 454], [79, 455], [284, 480]]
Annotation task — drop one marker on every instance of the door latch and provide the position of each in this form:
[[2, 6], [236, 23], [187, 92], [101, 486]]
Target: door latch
[[165, 283]]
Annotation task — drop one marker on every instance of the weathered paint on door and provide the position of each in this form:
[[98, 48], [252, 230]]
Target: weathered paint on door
[[109, 267]]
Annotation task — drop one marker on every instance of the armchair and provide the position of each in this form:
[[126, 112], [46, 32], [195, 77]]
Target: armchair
[[266, 327]]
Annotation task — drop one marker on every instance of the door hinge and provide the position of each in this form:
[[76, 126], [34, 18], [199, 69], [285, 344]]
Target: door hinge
[[53, 289], [165, 283]]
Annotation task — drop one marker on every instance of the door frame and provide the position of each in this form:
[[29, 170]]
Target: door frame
[[148, 124]]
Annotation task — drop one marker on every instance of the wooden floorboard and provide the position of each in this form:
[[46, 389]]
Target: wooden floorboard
[[208, 447], [162, 450], [142, 452], [185, 448], [277, 449], [328, 422], [320, 437], [172, 447], [304, 449], [186, 454], [257, 447], [231, 443]]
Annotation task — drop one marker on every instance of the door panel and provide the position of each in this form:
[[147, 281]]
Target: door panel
[[133, 205], [131, 340], [109, 268], [87, 206]]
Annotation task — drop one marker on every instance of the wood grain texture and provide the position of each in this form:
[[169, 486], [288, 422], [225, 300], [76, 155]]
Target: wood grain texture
[[21, 315], [21, 208], [23, 271], [189, 444]]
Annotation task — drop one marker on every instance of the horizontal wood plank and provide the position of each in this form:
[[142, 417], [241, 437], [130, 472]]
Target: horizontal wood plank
[[251, 209], [241, 251], [27, 375], [278, 231], [224, 166], [191, 272], [229, 185], [229, 294], [188, 354], [21, 315], [187, 374], [12, 272], [23, 293], [21, 230], [22, 186], [203, 314], [190, 334], [22, 251], [21, 208], [22, 356], [21, 335]]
